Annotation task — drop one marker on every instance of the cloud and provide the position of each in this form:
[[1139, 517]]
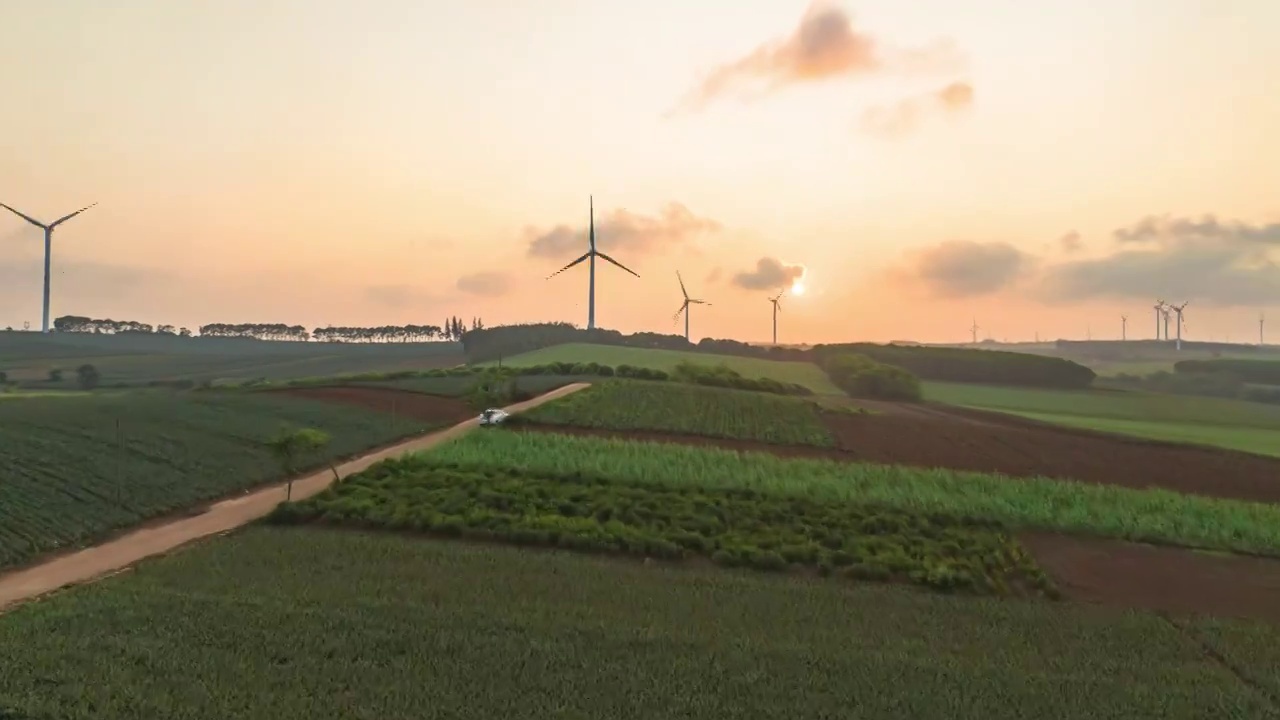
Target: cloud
[[487, 284], [714, 276], [964, 268], [623, 231], [824, 45], [770, 274], [1070, 243], [399, 295], [1211, 261], [905, 116]]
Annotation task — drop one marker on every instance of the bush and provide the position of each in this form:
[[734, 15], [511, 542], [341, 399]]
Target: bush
[[726, 377], [55, 375], [949, 364], [1259, 372], [87, 377], [860, 376]]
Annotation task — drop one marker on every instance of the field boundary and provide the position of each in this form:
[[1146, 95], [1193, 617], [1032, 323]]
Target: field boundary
[[1213, 654], [109, 557]]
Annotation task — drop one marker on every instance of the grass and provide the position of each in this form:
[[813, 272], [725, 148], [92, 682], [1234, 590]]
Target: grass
[[732, 528], [285, 624], [65, 479], [1143, 515], [800, 373], [628, 405], [1232, 424]]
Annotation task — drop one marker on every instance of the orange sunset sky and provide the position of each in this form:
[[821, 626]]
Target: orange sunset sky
[[1043, 167]]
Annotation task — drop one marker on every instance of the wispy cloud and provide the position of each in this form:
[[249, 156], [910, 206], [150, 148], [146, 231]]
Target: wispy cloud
[[622, 230], [905, 116]]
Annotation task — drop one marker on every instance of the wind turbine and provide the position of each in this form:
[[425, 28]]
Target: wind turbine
[[684, 308], [1124, 327], [973, 329], [48, 249], [1159, 307], [1262, 320], [1177, 309], [591, 254], [776, 309]]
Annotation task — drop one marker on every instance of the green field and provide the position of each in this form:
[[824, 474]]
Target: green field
[[1060, 505], [1232, 424], [800, 373], [27, 358], [64, 478], [301, 623], [678, 521], [629, 405]]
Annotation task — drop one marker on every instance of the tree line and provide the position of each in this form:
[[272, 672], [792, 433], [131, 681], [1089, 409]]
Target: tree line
[[927, 363], [452, 329]]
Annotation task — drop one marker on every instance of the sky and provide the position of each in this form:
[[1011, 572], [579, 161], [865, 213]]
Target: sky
[[914, 166]]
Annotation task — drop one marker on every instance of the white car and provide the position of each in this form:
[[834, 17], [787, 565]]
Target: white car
[[493, 416]]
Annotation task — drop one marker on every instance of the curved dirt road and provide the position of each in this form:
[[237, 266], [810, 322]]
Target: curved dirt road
[[99, 560]]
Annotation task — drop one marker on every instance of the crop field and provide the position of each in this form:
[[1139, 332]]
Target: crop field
[[800, 373], [27, 358], [1232, 424], [305, 623], [729, 527], [689, 409], [66, 478], [1073, 507]]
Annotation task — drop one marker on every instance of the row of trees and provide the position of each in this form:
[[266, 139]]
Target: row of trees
[[452, 330], [928, 363]]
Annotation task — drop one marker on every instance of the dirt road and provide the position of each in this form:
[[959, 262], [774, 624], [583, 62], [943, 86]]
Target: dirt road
[[94, 562]]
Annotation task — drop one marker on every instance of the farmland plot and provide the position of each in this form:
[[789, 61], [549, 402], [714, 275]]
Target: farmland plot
[[306, 623], [626, 405], [65, 478]]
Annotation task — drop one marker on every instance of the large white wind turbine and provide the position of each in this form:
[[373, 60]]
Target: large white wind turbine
[[591, 255], [48, 249], [776, 309], [684, 308]]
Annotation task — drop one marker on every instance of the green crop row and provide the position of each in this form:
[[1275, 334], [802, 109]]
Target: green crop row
[[67, 477], [304, 623], [1062, 505], [731, 527], [692, 410]]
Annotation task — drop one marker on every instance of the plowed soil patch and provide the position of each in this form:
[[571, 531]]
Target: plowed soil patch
[[935, 437], [1167, 579], [431, 409]]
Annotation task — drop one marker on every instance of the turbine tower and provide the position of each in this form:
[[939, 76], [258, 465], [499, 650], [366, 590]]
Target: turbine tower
[[1262, 320], [973, 330], [1177, 309], [684, 308], [48, 249], [776, 309], [591, 254], [1159, 307], [1124, 327]]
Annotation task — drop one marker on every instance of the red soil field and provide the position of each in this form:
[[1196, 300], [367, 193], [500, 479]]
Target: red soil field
[[1164, 579], [431, 409], [943, 437]]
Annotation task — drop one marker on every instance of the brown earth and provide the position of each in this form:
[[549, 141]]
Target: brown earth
[[431, 409], [935, 436], [1165, 579]]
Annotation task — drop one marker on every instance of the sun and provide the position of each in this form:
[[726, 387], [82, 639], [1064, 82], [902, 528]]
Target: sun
[[797, 288]]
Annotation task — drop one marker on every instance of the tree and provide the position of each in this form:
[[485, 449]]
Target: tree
[[4, 377], [55, 375], [87, 377], [291, 447]]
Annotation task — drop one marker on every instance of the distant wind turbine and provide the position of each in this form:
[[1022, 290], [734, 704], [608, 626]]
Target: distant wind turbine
[[684, 308], [1177, 309], [1159, 308], [776, 309], [48, 249], [1124, 327], [1262, 320], [973, 330], [591, 254]]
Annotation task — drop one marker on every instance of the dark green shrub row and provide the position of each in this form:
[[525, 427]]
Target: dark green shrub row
[[1201, 384], [1261, 372], [861, 377], [730, 527]]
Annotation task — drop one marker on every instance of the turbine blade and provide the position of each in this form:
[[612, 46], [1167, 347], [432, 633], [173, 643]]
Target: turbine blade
[[65, 218], [682, 309], [566, 267], [779, 306], [591, 223], [682, 290], [28, 218], [615, 262]]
